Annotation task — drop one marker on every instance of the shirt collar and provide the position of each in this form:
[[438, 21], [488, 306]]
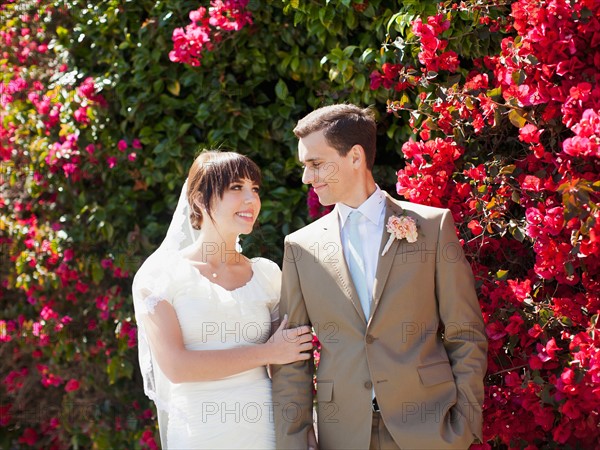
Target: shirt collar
[[371, 208]]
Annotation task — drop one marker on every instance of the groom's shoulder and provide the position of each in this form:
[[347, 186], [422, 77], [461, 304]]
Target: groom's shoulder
[[422, 211], [309, 231]]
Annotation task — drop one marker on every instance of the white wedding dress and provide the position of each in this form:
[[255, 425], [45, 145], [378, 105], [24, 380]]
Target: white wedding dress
[[232, 413], [235, 412]]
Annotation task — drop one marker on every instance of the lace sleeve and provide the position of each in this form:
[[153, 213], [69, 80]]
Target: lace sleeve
[[153, 283]]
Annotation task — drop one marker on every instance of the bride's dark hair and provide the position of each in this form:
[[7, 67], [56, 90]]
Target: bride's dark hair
[[211, 173]]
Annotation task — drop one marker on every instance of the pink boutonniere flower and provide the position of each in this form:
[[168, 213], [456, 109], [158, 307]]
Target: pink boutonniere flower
[[400, 227]]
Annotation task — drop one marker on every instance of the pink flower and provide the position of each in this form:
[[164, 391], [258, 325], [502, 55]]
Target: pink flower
[[69, 169], [495, 331], [531, 183], [147, 440], [29, 437], [81, 116], [400, 227], [136, 144], [197, 15], [530, 134], [72, 385], [122, 145], [475, 227], [86, 89], [111, 161], [47, 313], [4, 414], [68, 254], [515, 324], [562, 431]]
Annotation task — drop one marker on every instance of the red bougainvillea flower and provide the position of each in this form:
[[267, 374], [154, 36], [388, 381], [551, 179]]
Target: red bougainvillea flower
[[205, 29], [229, 15], [530, 134], [147, 440], [315, 209], [586, 142], [72, 385], [29, 437], [427, 175]]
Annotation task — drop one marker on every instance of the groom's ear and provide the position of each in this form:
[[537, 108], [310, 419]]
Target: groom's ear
[[357, 154]]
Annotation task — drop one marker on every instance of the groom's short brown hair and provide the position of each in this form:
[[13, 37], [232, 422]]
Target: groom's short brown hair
[[344, 126]]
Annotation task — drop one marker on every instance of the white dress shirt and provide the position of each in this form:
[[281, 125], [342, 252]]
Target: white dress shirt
[[370, 228]]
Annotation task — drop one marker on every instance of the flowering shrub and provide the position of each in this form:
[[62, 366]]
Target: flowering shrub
[[508, 140], [64, 335], [206, 29]]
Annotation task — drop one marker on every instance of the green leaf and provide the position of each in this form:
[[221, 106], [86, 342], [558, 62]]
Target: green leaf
[[349, 50], [494, 92], [395, 19], [183, 128], [516, 118], [112, 369], [97, 272], [281, 90], [158, 86], [538, 380], [518, 77], [517, 233], [501, 274], [367, 56], [174, 87], [506, 170], [62, 32], [360, 81], [546, 396], [351, 20]]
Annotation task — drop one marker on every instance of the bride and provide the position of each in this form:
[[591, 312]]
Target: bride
[[205, 315]]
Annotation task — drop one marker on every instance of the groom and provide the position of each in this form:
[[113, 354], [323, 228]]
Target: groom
[[403, 347]]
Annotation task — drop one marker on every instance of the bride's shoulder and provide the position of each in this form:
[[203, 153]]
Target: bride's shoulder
[[269, 277], [265, 265]]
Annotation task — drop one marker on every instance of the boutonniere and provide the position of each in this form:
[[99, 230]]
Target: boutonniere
[[400, 227]]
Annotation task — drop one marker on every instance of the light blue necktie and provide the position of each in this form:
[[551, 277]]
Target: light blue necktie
[[356, 261]]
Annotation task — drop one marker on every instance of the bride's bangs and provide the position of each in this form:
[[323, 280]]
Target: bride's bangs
[[239, 168]]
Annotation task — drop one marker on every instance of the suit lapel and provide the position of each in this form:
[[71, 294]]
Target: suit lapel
[[384, 264], [331, 256]]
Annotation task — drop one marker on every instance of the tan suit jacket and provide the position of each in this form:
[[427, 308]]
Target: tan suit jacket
[[422, 350]]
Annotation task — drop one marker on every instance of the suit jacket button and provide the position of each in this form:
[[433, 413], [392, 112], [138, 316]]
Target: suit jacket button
[[370, 339], [368, 385]]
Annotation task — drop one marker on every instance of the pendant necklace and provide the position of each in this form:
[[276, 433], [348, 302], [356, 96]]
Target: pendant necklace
[[214, 274]]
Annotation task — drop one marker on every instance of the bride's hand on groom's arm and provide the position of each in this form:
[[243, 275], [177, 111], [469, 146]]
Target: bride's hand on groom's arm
[[290, 345]]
